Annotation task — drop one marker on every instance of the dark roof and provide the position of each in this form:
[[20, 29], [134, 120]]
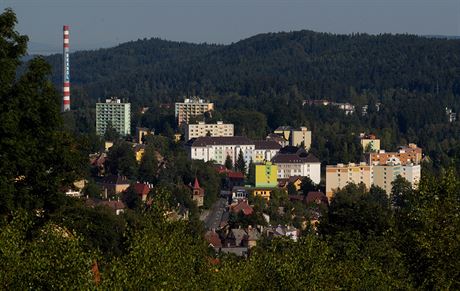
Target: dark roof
[[114, 179], [292, 150], [220, 140], [283, 128], [294, 158], [267, 145]]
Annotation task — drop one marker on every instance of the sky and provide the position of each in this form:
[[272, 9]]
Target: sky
[[104, 23]]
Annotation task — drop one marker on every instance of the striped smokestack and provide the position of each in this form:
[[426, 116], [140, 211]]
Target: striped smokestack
[[66, 76]]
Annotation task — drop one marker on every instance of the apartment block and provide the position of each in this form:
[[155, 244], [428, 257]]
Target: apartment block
[[294, 161], [385, 174], [410, 154], [113, 112], [338, 176], [216, 149], [204, 129], [191, 107]]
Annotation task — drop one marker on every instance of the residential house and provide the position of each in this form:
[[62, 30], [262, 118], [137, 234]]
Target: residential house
[[113, 184], [241, 206]]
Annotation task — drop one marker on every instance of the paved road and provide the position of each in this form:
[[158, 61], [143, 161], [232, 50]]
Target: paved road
[[215, 214]]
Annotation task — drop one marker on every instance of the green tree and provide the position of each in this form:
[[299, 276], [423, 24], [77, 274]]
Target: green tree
[[111, 134], [131, 199], [122, 160], [38, 158], [252, 173], [400, 192], [240, 164], [307, 185], [292, 190], [228, 163], [148, 167]]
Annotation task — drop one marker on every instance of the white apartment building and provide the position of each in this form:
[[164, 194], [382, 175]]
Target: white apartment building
[[204, 129], [294, 164], [191, 107], [209, 148], [338, 176], [113, 112]]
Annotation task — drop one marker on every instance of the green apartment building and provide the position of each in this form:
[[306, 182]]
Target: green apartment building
[[113, 112]]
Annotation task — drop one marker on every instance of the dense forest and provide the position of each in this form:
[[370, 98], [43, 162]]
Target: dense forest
[[262, 82]]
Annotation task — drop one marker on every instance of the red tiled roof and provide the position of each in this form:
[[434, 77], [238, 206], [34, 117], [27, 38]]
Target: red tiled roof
[[242, 206], [213, 238], [235, 175], [196, 185], [141, 189]]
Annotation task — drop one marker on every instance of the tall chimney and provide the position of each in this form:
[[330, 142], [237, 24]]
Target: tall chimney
[[66, 73]]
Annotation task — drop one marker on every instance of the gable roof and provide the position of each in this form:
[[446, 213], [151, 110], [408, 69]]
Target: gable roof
[[242, 206], [141, 189], [220, 140], [213, 239]]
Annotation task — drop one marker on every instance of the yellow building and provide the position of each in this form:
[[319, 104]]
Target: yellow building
[[338, 176], [139, 150], [266, 175], [370, 143], [263, 192]]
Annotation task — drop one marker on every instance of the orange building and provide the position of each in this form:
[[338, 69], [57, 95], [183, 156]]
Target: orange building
[[410, 154]]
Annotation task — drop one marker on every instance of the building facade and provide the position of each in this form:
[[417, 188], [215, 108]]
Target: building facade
[[265, 150], [338, 176], [115, 113], [369, 143], [191, 107], [209, 148], [266, 175], [294, 164], [203, 129], [296, 137], [410, 154]]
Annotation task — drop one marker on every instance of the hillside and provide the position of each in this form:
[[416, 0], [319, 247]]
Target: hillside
[[319, 65], [261, 82]]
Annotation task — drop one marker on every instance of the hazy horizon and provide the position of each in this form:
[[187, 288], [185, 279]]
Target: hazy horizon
[[107, 23]]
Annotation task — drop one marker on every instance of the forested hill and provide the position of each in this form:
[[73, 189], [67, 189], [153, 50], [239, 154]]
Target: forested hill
[[313, 65]]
